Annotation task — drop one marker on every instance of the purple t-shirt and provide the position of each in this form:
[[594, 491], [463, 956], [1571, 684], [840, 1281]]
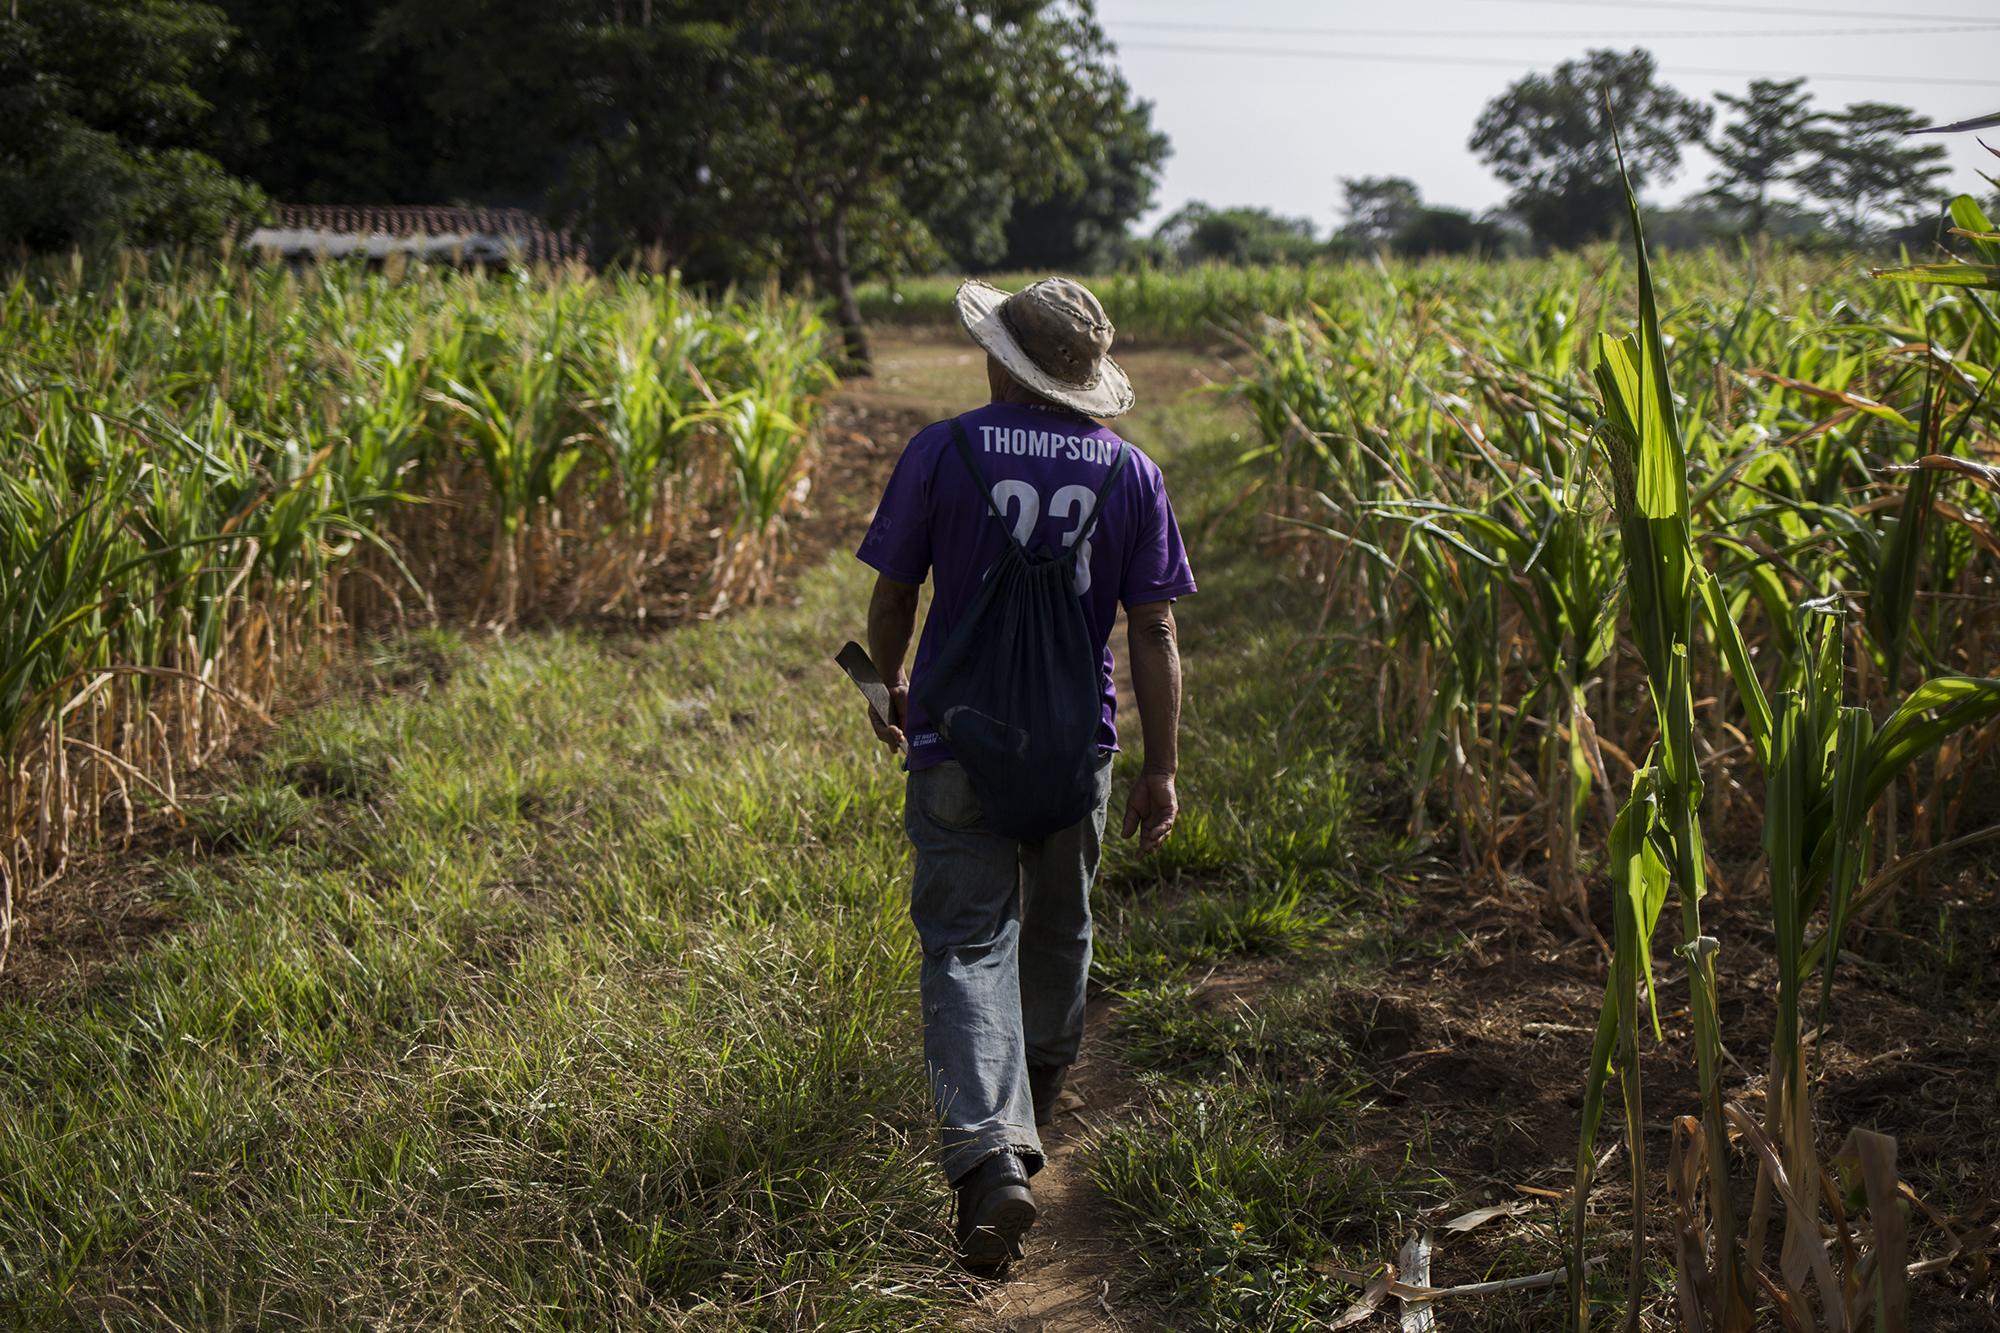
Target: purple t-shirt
[[1044, 465]]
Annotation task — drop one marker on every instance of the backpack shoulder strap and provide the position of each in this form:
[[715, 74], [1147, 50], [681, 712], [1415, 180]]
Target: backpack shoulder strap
[[964, 443], [1089, 528]]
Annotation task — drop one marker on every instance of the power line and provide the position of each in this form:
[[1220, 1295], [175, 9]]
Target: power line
[[1515, 34], [1794, 11], [1502, 62]]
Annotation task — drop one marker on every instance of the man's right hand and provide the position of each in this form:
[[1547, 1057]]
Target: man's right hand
[[1150, 810], [892, 618], [891, 733]]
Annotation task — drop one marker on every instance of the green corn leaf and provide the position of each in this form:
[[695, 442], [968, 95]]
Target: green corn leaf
[[1983, 276], [1674, 702], [1972, 223], [1642, 877], [1849, 833], [1662, 458], [1788, 788], [1825, 692], [1580, 775], [1633, 383], [1617, 374], [1892, 596], [1641, 874], [1933, 711], [1776, 599], [1722, 626]]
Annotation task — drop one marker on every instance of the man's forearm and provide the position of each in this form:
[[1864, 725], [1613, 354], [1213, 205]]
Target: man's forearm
[[1156, 682], [892, 620]]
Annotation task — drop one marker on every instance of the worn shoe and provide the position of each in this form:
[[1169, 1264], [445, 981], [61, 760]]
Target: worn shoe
[[995, 1209], [1045, 1084]]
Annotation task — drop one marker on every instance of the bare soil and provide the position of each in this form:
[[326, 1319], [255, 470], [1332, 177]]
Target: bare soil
[[1079, 1273], [1477, 1052]]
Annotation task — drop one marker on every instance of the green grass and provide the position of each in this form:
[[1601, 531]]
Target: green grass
[[586, 994], [1281, 1038], [1236, 1195]]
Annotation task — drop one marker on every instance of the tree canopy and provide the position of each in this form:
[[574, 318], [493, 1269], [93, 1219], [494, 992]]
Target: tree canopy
[[108, 137], [1549, 136], [1448, 231], [1866, 170], [1756, 150], [1085, 228], [1389, 212], [731, 137], [322, 111], [1376, 207], [1197, 233]]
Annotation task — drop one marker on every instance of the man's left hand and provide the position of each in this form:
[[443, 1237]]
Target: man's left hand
[[1150, 810]]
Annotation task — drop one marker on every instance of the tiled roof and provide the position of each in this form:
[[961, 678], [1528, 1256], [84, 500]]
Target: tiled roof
[[482, 232]]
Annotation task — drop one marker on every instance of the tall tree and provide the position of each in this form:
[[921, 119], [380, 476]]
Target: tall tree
[[861, 121], [1549, 136], [657, 168], [519, 90], [1866, 169], [1084, 229], [1757, 148], [820, 136], [108, 138], [1377, 207]]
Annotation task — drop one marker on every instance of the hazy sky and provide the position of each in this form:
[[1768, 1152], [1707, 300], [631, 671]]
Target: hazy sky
[[1262, 109]]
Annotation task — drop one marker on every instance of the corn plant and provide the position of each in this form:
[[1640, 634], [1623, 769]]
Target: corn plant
[[647, 416], [1666, 585], [765, 427], [54, 570], [516, 423], [1533, 527], [214, 471], [1828, 764]]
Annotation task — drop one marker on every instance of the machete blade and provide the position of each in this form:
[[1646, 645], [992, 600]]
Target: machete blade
[[854, 660]]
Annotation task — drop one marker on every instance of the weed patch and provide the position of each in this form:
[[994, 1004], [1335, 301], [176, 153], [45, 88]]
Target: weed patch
[[1238, 1195]]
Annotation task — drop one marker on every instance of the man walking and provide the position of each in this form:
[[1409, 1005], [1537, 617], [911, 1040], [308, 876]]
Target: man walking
[[1005, 920]]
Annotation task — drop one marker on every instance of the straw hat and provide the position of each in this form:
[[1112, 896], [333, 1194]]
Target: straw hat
[[1053, 337]]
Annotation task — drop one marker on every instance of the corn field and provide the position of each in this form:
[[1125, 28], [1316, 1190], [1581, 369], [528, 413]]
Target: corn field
[[1195, 303], [1718, 590], [212, 472]]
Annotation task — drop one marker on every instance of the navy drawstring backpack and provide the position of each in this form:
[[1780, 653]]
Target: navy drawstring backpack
[[1017, 691]]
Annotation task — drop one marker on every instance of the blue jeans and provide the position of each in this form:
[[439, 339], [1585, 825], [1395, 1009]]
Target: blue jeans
[[1005, 927]]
